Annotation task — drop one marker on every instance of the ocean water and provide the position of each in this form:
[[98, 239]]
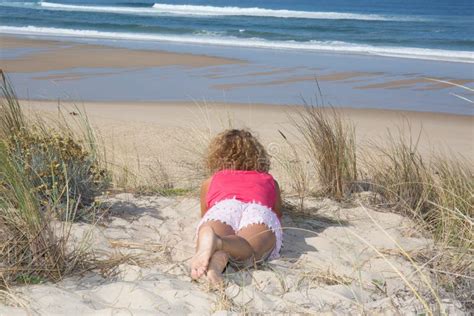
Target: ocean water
[[420, 29]]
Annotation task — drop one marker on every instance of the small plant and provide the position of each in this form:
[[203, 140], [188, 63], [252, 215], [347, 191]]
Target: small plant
[[51, 159], [146, 190], [318, 276], [28, 279]]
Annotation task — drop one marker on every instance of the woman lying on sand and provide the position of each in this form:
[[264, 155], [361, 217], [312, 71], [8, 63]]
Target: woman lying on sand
[[240, 207]]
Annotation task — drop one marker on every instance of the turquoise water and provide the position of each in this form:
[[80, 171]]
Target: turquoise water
[[421, 29]]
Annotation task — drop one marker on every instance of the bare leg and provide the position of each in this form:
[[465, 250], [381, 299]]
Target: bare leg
[[208, 240], [217, 264], [261, 239], [253, 240]]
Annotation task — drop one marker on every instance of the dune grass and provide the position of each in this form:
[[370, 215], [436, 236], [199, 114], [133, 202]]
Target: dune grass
[[329, 141], [53, 155], [158, 180], [31, 250], [49, 178], [436, 191], [296, 167], [452, 209], [399, 174]]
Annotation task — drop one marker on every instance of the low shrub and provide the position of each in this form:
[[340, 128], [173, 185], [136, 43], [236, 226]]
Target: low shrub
[[53, 156], [50, 174]]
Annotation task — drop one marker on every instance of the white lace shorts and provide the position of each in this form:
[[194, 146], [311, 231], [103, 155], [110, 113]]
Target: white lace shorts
[[238, 215]]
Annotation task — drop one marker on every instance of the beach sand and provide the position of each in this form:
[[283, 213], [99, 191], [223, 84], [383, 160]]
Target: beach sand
[[141, 135], [343, 260]]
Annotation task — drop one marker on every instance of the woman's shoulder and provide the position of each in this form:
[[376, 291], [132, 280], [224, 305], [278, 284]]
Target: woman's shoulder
[[206, 183]]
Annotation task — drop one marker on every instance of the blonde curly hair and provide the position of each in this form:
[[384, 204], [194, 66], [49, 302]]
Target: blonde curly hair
[[237, 149]]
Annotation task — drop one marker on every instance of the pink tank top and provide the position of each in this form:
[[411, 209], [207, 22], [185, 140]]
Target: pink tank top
[[243, 185]]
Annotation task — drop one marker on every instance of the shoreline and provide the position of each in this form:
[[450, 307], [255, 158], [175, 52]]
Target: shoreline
[[413, 53], [73, 70]]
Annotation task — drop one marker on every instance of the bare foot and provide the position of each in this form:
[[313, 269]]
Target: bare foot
[[207, 244], [216, 266], [215, 278]]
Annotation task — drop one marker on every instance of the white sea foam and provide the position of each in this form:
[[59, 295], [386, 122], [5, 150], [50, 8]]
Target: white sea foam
[[332, 46], [17, 4], [260, 12], [196, 10], [86, 8]]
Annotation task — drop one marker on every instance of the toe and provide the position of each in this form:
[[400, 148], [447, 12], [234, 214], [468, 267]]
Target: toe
[[201, 271]]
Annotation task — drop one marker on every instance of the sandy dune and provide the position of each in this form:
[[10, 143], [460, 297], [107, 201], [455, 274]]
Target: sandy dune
[[341, 260]]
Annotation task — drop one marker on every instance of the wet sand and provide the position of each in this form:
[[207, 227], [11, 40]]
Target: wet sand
[[432, 83], [338, 76], [68, 55], [80, 69]]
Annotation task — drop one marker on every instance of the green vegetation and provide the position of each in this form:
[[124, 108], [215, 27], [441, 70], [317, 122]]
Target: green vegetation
[[49, 177]]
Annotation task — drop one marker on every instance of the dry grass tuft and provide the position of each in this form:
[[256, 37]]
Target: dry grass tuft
[[299, 176], [158, 180], [318, 277], [222, 302], [451, 216], [451, 269], [398, 173], [436, 192], [329, 141], [8, 298]]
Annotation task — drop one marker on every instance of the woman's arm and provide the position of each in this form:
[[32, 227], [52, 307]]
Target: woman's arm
[[204, 189], [278, 203]]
